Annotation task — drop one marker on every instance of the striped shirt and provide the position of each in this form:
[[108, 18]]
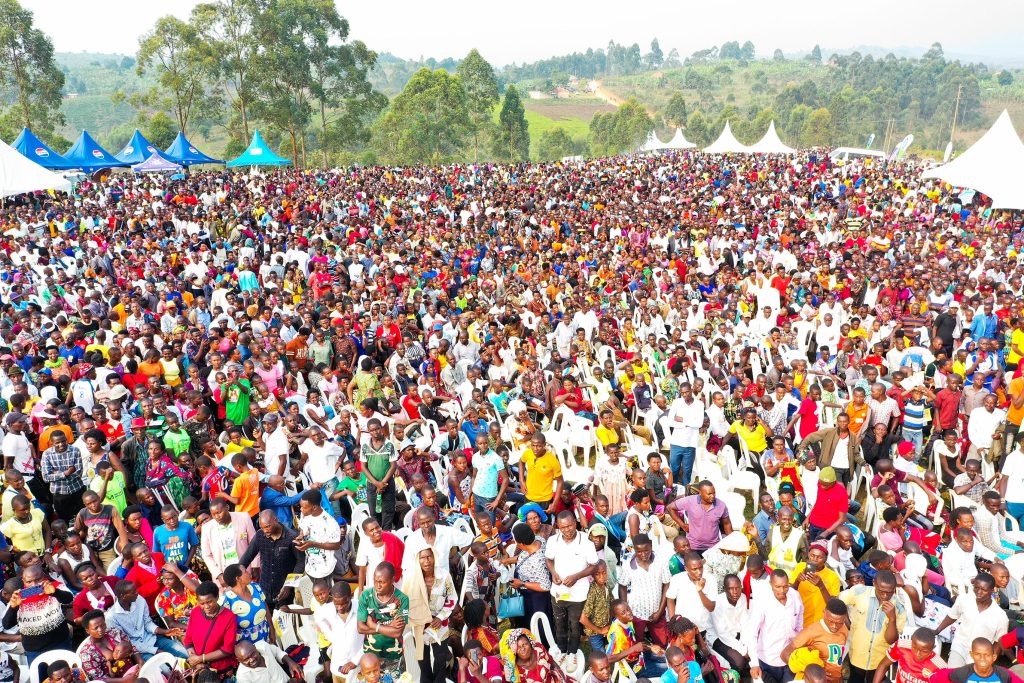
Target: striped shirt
[[913, 415]]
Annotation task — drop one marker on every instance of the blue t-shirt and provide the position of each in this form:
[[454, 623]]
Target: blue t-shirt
[[487, 468], [695, 674], [177, 544]]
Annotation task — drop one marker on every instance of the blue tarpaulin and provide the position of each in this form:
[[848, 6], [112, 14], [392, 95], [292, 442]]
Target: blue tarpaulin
[[185, 153], [38, 151], [87, 155], [137, 150]]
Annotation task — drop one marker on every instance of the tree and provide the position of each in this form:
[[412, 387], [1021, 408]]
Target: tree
[[697, 130], [182, 75], [675, 110], [28, 71], [512, 142], [427, 122], [481, 95], [747, 51], [623, 130], [655, 57], [227, 28], [815, 54], [777, 56], [556, 143], [730, 50], [161, 130], [818, 128], [673, 59], [1004, 77]]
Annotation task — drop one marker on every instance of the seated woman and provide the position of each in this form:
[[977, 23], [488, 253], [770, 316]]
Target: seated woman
[[431, 601], [175, 602], [97, 591], [525, 659], [246, 601], [685, 635], [107, 654], [210, 636]]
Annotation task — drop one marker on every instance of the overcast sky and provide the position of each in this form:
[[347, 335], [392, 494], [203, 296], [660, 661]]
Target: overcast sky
[[527, 30]]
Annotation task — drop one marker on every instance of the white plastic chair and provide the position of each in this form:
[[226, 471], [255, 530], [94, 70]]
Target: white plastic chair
[[49, 657], [736, 504], [151, 669], [541, 627], [412, 665]]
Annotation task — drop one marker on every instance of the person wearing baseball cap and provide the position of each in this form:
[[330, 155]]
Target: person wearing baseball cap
[[830, 507]]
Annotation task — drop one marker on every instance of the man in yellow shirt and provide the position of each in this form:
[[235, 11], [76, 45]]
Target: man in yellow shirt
[[541, 474], [815, 582]]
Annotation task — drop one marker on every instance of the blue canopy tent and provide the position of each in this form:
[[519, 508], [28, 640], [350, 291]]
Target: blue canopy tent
[[185, 153], [156, 163], [87, 155], [259, 154], [137, 150], [38, 151]]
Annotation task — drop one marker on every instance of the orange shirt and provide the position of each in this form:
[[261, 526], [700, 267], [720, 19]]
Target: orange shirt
[[44, 438], [247, 490], [858, 417]]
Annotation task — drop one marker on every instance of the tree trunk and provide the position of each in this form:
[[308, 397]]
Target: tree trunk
[[323, 133], [295, 146]]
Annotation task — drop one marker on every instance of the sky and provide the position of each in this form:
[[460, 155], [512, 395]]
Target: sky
[[528, 30]]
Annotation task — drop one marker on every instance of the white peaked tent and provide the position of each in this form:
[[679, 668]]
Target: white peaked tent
[[770, 143], [991, 165], [653, 143], [726, 143], [19, 174], [679, 142]]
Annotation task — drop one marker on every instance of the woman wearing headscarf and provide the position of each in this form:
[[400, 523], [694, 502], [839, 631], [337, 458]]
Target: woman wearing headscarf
[[532, 577], [431, 601], [524, 659]]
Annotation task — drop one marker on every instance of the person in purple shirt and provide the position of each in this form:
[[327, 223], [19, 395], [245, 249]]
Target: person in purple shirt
[[707, 518]]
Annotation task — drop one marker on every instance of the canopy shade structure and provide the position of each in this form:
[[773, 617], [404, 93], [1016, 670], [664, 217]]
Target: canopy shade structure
[[678, 141], [156, 163], [185, 153], [19, 174], [726, 143], [770, 143], [653, 143], [992, 165], [34, 149], [137, 150], [259, 154], [87, 155]]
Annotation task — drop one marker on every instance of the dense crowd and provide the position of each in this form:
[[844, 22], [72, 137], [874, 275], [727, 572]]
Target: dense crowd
[[687, 417]]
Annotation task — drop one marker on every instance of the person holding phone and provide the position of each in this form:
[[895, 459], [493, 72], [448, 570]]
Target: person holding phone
[[38, 613], [816, 582]]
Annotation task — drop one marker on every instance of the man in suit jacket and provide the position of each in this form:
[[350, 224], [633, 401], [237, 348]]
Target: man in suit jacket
[[225, 538]]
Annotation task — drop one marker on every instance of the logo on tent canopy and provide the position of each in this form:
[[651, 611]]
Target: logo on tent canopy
[[128, 150], [256, 151], [98, 154], [41, 152], [193, 150], [149, 148]]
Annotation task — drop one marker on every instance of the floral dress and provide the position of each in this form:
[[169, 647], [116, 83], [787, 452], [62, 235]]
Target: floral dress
[[94, 664], [174, 606], [253, 624]]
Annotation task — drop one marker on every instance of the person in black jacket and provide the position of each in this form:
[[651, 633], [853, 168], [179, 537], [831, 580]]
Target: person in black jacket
[[275, 545]]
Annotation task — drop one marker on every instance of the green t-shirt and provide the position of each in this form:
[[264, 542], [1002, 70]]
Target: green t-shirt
[[378, 462], [236, 402], [177, 442], [384, 613], [356, 486], [115, 491]]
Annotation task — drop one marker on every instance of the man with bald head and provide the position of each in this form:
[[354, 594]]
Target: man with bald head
[[274, 545], [276, 499], [264, 663]]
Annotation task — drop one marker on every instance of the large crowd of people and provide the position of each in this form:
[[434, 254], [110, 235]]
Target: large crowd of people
[[683, 417]]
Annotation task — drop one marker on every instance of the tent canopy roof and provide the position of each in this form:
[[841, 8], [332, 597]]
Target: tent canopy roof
[[34, 149], [19, 174], [726, 143], [653, 143], [185, 153], [156, 163], [679, 141], [992, 165], [87, 155], [770, 143], [259, 154], [137, 150]]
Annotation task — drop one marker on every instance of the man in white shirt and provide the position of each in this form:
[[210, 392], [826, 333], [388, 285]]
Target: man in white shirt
[[16, 447], [262, 662], [976, 616], [276, 440], [321, 460], [337, 621], [686, 417], [319, 536], [774, 620], [982, 426], [958, 560], [693, 594], [729, 618], [572, 560]]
